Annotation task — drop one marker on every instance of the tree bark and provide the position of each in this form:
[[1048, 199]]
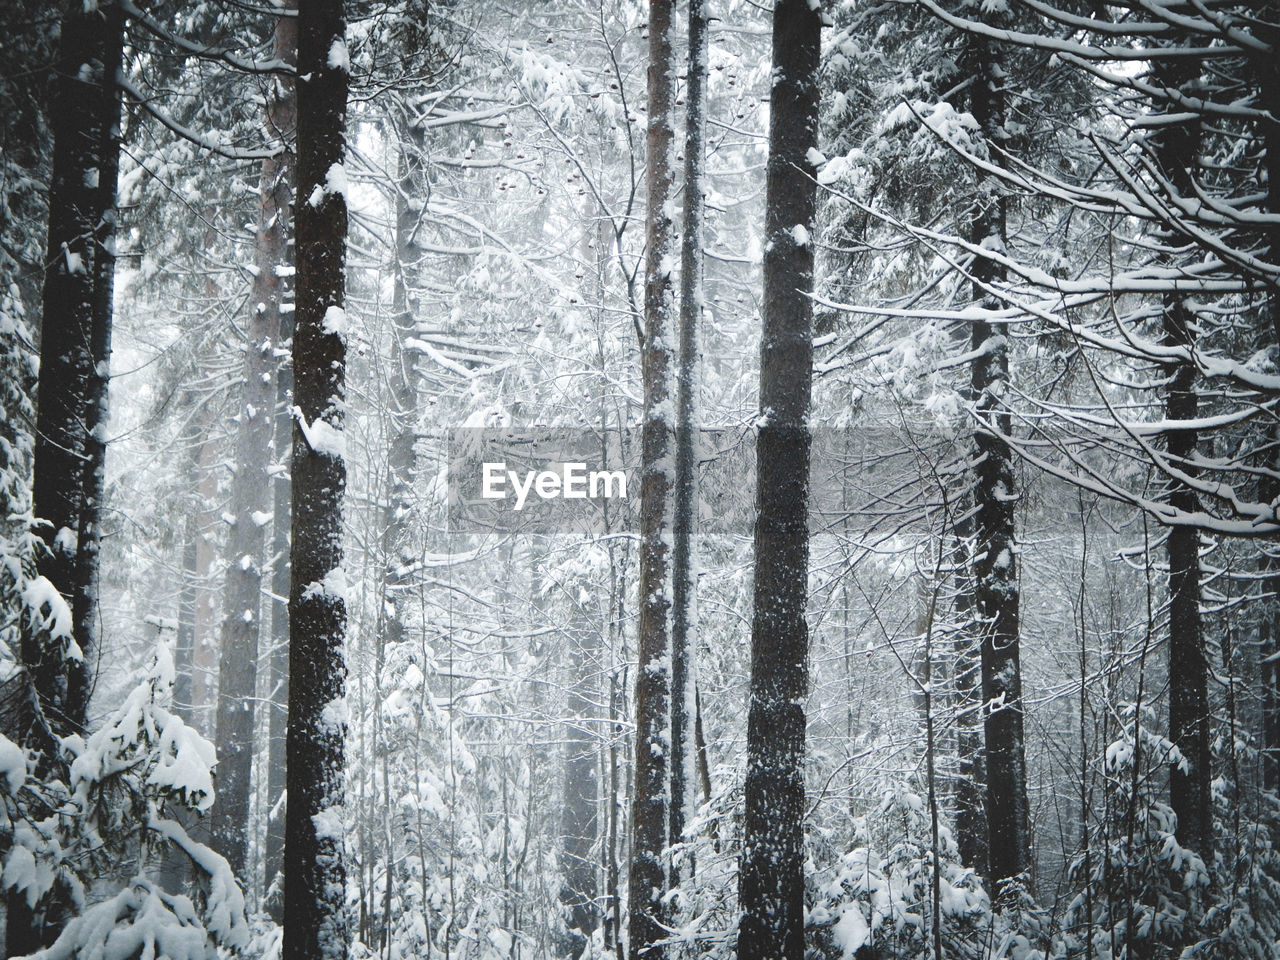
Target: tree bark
[[75, 345], [1176, 145], [579, 819], [771, 882], [1190, 794], [250, 484], [994, 563], [971, 772], [314, 922], [684, 574], [69, 448], [650, 867]]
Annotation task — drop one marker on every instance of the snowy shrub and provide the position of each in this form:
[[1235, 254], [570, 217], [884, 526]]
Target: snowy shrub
[[705, 905], [1152, 898], [88, 849], [881, 895], [139, 921], [1141, 889]]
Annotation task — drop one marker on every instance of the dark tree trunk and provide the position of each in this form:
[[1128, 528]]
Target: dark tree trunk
[[683, 569], [650, 867], [250, 485], [994, 572], [69, 449], [1190, 796], [969, 792], [84, 609], [704, 764], [314, 922], [771, 882], [75, 344], [971, 771]]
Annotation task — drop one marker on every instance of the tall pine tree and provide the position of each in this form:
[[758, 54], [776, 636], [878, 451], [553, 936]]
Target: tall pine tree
[[771, 881], [315, 890]]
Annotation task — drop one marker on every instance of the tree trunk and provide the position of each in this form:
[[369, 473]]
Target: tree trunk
[[204, 647], [579, 820], [684, 574], [75, 345], [396, 533], [278, 699], [1269, 486], [1189, 790], [184, 645], [281, 573], [771, 882], [649, 867], [994, 563], [1190, 796], [196, 444], [971, 771], [314, 922], [69, 449], [613, 634], [250, 484]]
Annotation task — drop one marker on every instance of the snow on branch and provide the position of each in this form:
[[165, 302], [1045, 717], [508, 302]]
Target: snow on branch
[[1061, 46], [201, 140], [205, 52]]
